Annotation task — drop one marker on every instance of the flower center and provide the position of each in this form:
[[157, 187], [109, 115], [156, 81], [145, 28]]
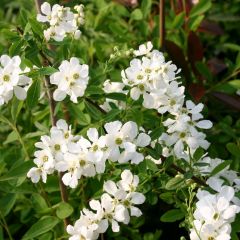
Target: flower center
[[141, 87], [82, 162], [104, 149], [45, 158], [118, 141], [211, 238], [76, 76], [95, 148], [172, 102], [66, 135], [57, 147], [6, 78], [182, 135], [148, 70], [215, 216], [126, 203], [139, 77]]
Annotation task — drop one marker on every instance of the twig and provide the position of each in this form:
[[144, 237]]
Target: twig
[[195, 179], [52, 106], [162, 22]]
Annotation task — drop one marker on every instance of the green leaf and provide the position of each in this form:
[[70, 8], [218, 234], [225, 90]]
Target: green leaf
[[178, 20], [112, 114], [16, 108], [172, 215], [16, 48], [232, 46], [200, 8], [117, 96], [175, 183], [94, 90], [18, 171], [47, 70], [146, 7], [235, 84], [6, 203], [64, 210], [23, 17], [42, 226], [94, 112], [36, 26], [137, 14], [156, 133], [12, 137], [220, 167], [195, 22], [204, 70], [198, 154], [151, 165], [39, 203], [33, 94], [82, 118], [233, 149]]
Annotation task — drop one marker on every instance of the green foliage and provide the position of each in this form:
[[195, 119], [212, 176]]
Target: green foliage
[[201, 39]]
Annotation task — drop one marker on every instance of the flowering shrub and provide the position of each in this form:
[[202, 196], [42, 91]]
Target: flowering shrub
[[101, 143]]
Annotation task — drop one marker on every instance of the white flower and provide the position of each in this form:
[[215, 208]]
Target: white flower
[[62, 21], [213, 215], [98, 151], [123, 141], [36, 173], [72, 80], [12, 80], [144, 49], [112, 209]]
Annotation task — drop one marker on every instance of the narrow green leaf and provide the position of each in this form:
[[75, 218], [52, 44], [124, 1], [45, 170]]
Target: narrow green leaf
[[117, 96], [174, 183], [36, 26], [220, 167], [232, 46], [233, 149], [19, 171], [13, 136], [6, 203], [42, 226], [200, 8], [172, 215], [235, 83], [93, 111], [146, 7], [16, 108], [33, 94], [204, 70], [195, 22], [178, 20]]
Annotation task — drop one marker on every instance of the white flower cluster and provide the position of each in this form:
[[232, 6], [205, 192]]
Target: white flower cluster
[[183, 134], [77, 156], [12, 79], [213, 215], [115, 206], [62, 21], [72, 80], [155, 79]]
